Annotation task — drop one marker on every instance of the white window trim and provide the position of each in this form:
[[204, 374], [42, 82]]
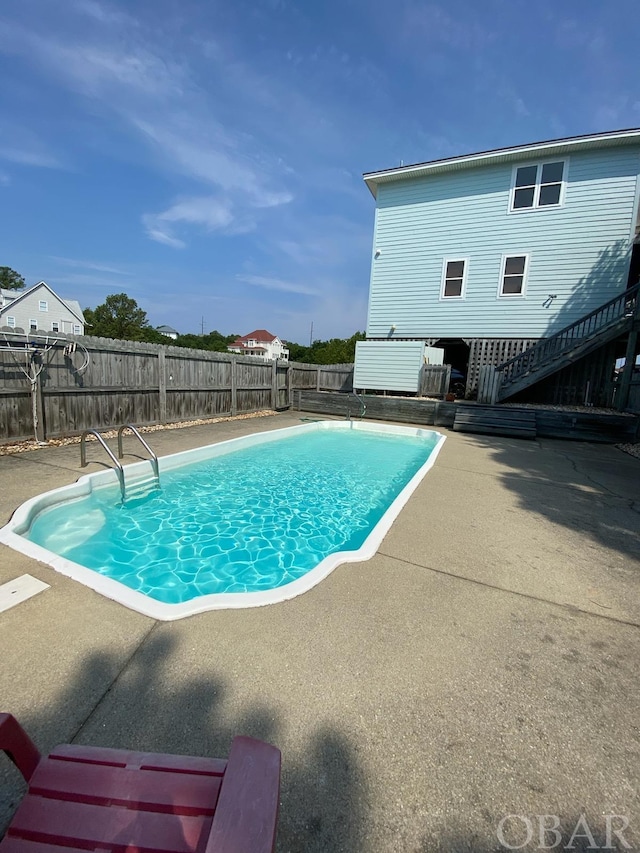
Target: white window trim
[[33, 325], [55, 323], [465, 273], [11, 322], [41, 303], [536, 194], [525, 276], [76, 329]]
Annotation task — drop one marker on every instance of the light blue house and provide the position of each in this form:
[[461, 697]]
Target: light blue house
[[486, 254]]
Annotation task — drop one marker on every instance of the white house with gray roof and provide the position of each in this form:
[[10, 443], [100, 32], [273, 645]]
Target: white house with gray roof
[[39, 308]]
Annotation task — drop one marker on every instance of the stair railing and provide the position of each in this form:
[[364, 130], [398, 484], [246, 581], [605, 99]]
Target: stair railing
[[623, 305]]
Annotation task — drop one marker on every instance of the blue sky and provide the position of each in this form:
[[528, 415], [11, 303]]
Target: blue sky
[[206, 157]]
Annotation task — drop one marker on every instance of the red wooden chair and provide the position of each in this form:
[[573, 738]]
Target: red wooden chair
[[91, 798]]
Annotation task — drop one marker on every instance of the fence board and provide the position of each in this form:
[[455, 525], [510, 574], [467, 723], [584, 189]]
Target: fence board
[[140, 383], [434, 380]]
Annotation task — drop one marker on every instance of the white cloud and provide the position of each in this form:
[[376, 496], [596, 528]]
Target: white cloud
[[207, 212], [159, 100], [102, 12], [90, 265], [433, 24], [278, 284], [80, 283], [97, 65], [27, 157], [197, 149], [161, 233]]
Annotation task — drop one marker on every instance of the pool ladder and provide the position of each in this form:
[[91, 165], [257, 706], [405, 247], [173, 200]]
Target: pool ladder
[[363, 405], [116, 461]]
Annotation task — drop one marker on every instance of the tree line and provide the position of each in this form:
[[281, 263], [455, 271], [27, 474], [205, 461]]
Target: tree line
[[121, 318]]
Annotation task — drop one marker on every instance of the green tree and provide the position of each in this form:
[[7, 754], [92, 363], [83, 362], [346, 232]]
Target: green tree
[[10, 279], [121, 318], [334, 351], [214, 341], [297, 352]]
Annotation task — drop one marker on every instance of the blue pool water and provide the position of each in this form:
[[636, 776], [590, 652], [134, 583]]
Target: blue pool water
[[240, 522]]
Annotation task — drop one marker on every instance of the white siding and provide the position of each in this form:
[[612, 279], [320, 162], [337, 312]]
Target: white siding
[[28, 308], [388, 365]]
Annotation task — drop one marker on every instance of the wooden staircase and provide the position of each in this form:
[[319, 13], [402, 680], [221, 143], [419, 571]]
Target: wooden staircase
[[575, 341]]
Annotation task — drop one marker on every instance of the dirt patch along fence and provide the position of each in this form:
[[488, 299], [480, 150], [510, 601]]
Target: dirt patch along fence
[[62, 387]]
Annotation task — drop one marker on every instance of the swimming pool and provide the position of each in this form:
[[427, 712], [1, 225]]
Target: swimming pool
[[241, 523]]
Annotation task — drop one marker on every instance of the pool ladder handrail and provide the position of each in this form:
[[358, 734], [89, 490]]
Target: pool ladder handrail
[[83, 455], [363, 405], [153, 459]]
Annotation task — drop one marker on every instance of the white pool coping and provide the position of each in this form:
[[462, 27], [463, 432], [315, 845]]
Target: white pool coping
[[12, 533]]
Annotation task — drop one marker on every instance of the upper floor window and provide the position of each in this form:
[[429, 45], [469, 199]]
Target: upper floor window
[[538, 185], [454, 273], [11, 322], [43, 305], [76, 329], [33, 325], [514, 273]]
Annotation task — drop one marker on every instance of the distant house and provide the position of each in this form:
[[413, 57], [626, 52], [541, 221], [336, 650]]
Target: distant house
[[485, 254], [168, 332], [39, 308], [261, 344]]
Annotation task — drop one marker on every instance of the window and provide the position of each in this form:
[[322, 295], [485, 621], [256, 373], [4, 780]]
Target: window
[[43, 305], [514, 271], [538, 185], [11, 322], [76, 330], [454, 274], [55, 326], [33, 325]]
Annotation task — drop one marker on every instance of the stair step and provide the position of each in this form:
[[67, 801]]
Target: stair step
[[140, 489]]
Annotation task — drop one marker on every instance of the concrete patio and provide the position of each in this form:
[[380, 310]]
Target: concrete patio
[[484, 663]]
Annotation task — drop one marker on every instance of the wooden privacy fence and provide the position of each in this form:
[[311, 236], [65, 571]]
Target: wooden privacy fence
[[434, 380], [83, 383], [488, 384]]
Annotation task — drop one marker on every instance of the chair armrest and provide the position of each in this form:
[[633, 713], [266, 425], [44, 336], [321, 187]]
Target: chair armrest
[[247, 811], [18, 745]]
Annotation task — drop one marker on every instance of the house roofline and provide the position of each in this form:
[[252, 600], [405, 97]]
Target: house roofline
[[52, 292], [551, 147]]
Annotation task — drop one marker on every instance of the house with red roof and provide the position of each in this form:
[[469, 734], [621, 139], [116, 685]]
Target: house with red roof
[[261, 344]]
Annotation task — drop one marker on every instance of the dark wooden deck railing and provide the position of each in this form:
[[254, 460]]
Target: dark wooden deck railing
[[623, 305]]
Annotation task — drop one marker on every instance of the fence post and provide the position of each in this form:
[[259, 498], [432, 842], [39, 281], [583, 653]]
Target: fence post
[[274, 384], [234, 386], [445, 380], [38, 408], [162, 384], [622, 395], [289, 385], [318, 378]]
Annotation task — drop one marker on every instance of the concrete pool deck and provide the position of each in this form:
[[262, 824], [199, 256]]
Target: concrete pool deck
[[484, 663]]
